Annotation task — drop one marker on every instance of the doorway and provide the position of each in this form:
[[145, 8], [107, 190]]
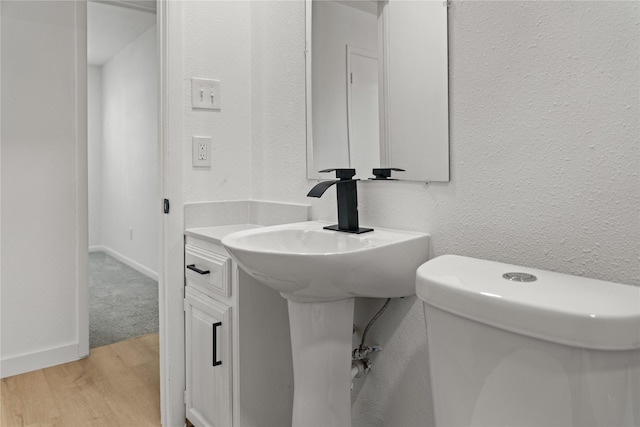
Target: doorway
[[122, 86], [362, 108]]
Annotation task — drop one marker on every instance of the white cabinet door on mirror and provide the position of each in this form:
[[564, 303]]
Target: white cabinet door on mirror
[[208, 373]]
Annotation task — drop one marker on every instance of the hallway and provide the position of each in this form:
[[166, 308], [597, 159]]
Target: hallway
[[123, 303]]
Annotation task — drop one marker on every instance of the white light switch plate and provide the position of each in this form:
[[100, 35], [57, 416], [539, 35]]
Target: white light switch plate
[[201, 151], [205, 94]]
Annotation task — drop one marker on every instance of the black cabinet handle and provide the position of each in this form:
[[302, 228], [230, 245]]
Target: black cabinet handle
[[215, 339], [197, 270]]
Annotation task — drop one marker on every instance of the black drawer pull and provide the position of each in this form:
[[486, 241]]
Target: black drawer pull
[[215, 339], [197, 270]]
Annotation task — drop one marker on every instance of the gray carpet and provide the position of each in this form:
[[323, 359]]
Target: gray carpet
[[123, 303]]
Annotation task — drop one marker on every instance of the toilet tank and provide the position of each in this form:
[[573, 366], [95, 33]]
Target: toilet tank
[[559, 350]]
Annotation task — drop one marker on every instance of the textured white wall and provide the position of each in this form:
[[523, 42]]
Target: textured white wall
[[130, 152], [278, 116], [544, 160], [94, 152], [217, 46]]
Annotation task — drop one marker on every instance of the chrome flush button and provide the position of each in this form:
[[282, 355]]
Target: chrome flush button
[[520, 277]]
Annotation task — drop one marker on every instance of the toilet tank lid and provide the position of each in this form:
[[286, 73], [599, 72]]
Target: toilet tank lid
[[570, 310]]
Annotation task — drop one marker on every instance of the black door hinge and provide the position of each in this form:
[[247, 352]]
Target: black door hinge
[[166, 206]]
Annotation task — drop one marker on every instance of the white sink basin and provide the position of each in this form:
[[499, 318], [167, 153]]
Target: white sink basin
[[306, 263]]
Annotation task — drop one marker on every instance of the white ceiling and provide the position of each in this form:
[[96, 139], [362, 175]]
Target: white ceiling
[[111, 28], [369, 6]]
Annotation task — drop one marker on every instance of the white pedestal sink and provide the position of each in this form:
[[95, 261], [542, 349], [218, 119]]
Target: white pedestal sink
[[320, 272]]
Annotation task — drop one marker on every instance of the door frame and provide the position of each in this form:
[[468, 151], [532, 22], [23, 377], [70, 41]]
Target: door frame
[[82, 179], [171, 247]]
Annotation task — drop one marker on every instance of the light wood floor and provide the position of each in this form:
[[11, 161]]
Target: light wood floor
[[118, 385]]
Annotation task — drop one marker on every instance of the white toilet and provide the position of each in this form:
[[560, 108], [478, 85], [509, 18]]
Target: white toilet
[[533, 348]]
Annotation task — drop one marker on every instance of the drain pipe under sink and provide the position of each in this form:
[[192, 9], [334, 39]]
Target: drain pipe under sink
[[359, 368]]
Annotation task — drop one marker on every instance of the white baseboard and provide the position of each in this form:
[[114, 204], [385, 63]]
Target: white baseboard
[[126, 260], [38, 360]]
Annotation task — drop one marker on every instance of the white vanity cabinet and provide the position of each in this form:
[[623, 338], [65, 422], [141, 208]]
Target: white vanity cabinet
[[238, 352], [208, 363]]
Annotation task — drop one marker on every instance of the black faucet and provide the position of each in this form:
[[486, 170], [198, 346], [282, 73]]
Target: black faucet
[[347, 193]]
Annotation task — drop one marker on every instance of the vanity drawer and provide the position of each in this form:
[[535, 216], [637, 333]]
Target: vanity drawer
[[207, 271]]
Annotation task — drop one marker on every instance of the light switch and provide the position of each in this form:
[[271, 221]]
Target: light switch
[[205, 94], [201, 151]]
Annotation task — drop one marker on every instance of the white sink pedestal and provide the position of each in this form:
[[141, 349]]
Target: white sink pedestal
[[327, 269], [321, 334]]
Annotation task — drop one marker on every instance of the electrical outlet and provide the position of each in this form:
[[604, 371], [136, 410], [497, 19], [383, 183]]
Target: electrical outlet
[[201, 151]]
